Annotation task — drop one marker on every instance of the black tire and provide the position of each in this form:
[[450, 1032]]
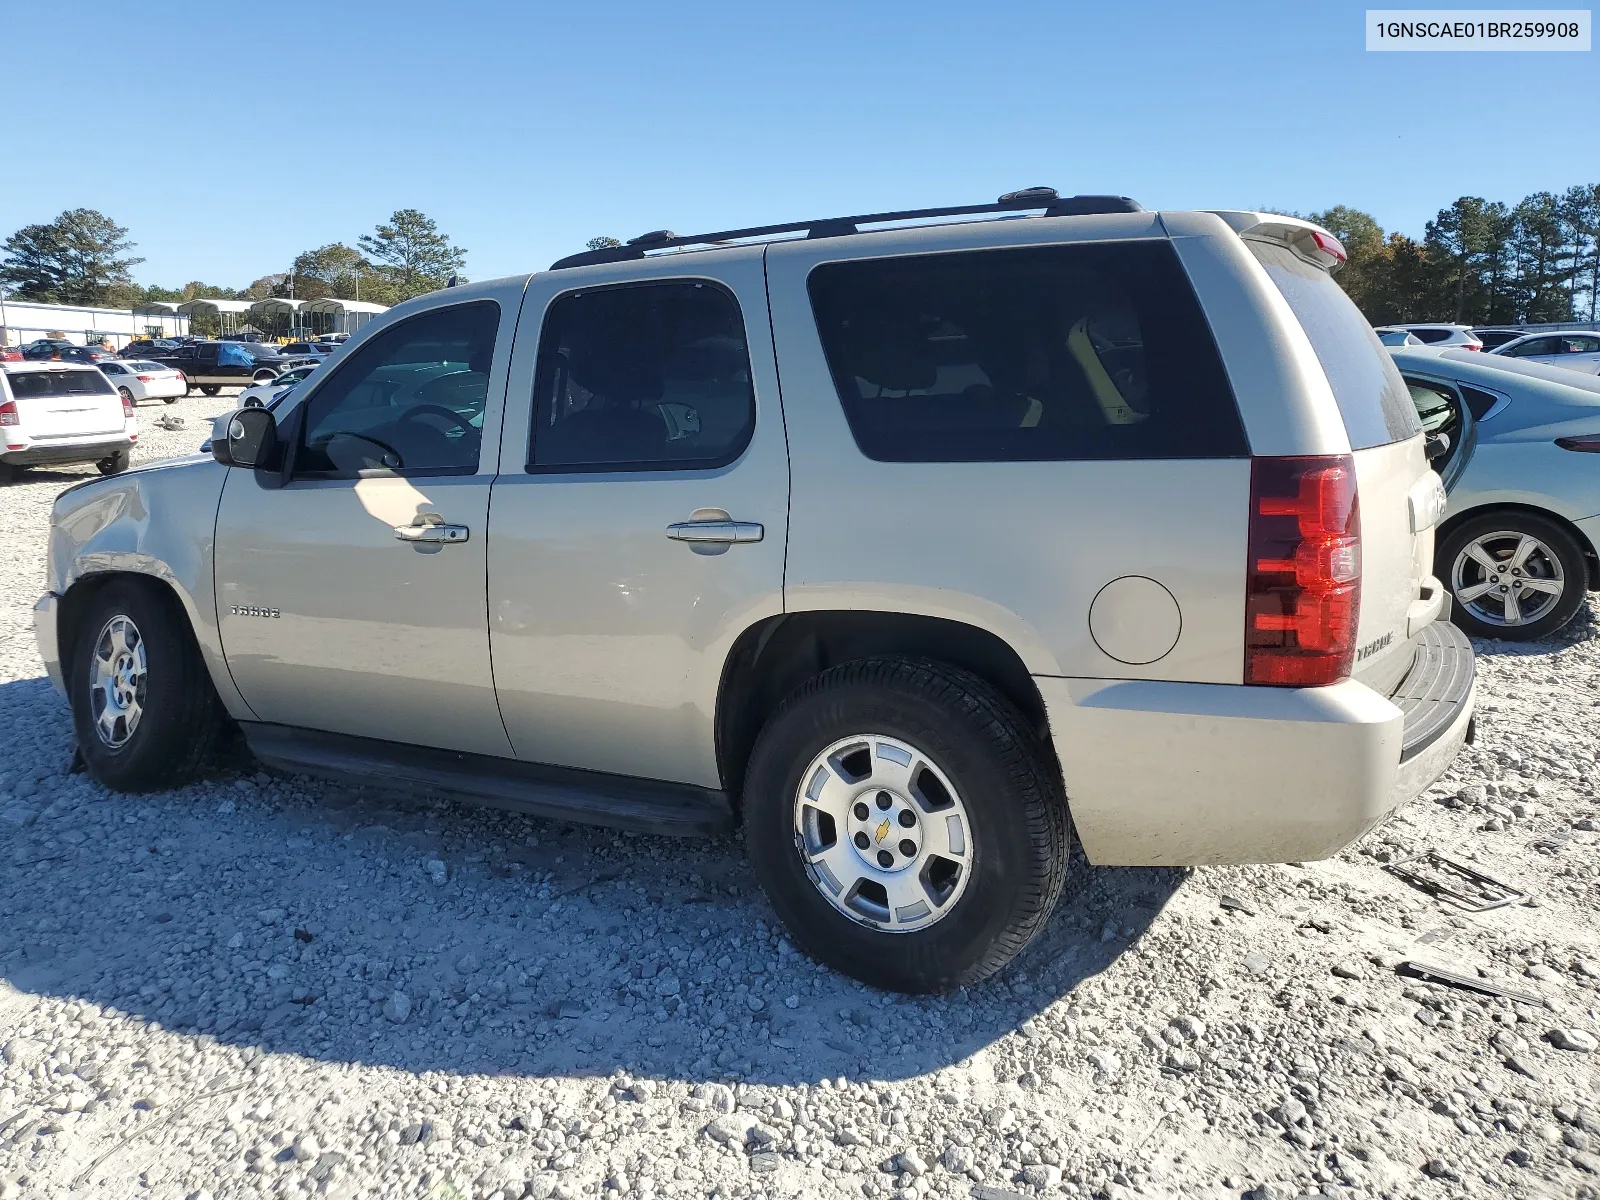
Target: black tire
[[181, 716], [173, 399], [10, 473], [1006, 778], [127, 396], [115, 463], [1562, 546], [211, 389]]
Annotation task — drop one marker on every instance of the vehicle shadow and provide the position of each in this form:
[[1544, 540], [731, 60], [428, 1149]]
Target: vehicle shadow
[[264, 911], [1582, 628]]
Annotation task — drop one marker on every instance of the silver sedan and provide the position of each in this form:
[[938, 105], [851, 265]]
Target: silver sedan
[[1517, 547], [1578, 351]]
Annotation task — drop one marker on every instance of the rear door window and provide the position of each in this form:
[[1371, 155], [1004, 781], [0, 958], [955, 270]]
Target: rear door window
[[1431, 336], [643, 377], [1535, 346], [1372, 397], [1084, 352]]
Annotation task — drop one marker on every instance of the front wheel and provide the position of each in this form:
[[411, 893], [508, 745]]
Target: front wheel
[[115, 463], [906, 825], [143, 706], [1513, 575]]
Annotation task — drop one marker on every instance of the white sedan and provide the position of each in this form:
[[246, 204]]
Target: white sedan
[[1575, 351], [138, 380], [266, 393]]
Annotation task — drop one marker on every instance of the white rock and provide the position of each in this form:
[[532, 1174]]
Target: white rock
[[306, 1148], [732, 1128], [1041, 1176], [911, 1163], [1573, 1039], [1107, 1062], [18, 816], [397, 1007], [23, 1052], [437, 871], [270, 916], [956, 1159]]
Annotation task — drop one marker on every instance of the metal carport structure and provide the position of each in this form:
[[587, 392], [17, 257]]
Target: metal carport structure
[[228, 313], [332, 315]]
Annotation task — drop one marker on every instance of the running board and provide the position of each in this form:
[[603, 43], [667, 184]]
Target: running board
[[558, 793]]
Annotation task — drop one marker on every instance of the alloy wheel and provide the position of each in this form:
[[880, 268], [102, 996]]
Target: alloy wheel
[[117, 678], [1507, 578], [883, 833]]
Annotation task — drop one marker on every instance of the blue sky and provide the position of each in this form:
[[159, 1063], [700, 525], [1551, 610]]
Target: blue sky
[[526, 128]]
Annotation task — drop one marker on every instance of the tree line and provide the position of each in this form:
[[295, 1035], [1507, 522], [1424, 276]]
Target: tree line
[[1479, 262], [82, 257]]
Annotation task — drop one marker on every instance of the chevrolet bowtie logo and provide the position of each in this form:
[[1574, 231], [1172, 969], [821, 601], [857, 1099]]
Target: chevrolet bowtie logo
[[883, 831]]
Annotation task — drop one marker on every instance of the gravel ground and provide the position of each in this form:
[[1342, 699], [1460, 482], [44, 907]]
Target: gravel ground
[[264, 986]]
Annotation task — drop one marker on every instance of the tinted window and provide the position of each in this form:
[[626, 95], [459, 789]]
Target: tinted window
[[145, 366], [111, 368], [1431, 335], [1064, 352], [1543, 345], [1478, 403], [1435, 405], [411, 399], [1372, 397], [26, 384], [1582, 345], [648, 376]]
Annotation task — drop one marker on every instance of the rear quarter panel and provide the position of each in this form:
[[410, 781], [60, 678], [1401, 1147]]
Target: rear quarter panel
[[1016, 548]]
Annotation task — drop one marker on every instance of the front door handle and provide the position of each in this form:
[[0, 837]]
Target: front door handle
[[430, 528], [719, 531]]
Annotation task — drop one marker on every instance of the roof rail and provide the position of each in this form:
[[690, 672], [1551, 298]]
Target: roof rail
[[1044, 198]]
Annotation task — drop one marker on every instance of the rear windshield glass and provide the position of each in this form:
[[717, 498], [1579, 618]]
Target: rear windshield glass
[[147, 366], [1372, 397], [25, 384], [1048, 353]]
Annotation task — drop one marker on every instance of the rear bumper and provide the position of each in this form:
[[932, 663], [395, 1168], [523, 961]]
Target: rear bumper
[[48, 639], [1168, 774], [67, 450]]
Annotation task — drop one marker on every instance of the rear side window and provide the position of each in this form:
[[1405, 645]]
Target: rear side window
[[1479, 402], [651, 376], [29, 384], [1429, 335], [1047, 353], [1372, 397]]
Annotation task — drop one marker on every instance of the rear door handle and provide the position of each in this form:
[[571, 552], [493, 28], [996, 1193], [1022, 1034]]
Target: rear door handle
[[430, 528], [719, 532]]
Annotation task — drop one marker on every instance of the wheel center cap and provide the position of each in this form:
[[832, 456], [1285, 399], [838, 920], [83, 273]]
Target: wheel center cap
[[885, 830]]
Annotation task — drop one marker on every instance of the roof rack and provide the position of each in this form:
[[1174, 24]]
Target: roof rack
[[1044, 198]]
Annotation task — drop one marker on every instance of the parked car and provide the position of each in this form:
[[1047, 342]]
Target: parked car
[[53, 413], [1574, 351], [265, 393], [1454, 337], [707, 601], [318, 349], [1518, 544], [11, 354], [43, 349], [212, 366], [1398, 337], [1490, 338], [149, 347], [88, 354], [137, 380]]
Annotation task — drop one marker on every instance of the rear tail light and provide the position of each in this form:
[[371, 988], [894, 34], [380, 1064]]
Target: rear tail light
[[127, 409], [9, 414], [144, 378], [182, 378], [1303, 585], [1329, 245], [1473, 346], [1588, 444]]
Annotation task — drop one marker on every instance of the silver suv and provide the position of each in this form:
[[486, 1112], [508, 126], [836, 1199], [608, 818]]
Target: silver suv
[[897, 540]]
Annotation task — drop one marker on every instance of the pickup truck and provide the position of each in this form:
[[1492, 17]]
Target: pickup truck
[[212, 366]]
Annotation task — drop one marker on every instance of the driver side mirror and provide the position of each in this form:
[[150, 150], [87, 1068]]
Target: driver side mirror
[[252, 439]]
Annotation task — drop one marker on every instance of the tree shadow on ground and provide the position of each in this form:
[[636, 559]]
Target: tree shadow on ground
[[577, 952]]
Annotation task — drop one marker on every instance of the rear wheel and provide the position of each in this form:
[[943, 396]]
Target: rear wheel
[[210, 389], [1513, 575], [127, 396], [907, 826], [143, 706], [10, 473], [115, 463]]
